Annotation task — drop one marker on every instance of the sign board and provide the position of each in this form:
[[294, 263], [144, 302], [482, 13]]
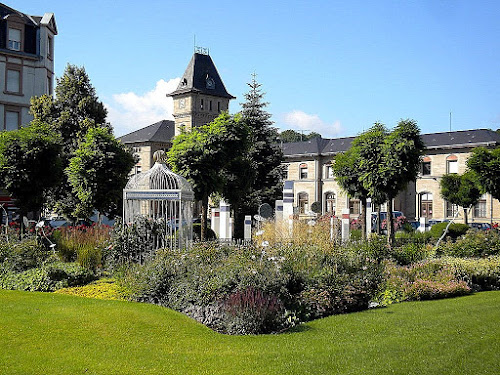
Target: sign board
[[266, 211]]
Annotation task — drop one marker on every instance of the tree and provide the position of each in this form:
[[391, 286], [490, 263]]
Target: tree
[[348, 176], [461, 190], [74, 111], [265, 155], [98, 173], [30, 164], [288, 136], [485, 164], [389, 161], [204, 156]]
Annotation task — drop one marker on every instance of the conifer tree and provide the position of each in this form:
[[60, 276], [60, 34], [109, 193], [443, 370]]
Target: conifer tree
[[265, 152]]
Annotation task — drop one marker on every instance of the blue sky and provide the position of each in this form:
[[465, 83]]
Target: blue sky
[[328, 66]]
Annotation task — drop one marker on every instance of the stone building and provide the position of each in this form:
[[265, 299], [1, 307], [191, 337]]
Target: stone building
[[308, 165], [200, 97], [26, 63]]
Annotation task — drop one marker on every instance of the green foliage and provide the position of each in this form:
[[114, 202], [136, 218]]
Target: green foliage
[[99, 289], [430, 279], [210, 157], [90, 155], [265, 154], [472, 244], [30, 164], [19, 256], [82, 244], [288, 136], [462, 190], [46, 278], [98, 172], [479, 274], [455, 230], [485, 164], [210, 235], [248, 290]]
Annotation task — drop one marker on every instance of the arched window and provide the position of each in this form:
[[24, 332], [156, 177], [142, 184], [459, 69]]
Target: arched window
[[452, 164], [354, 207], [303, 199], [426, 205], [330, 202]]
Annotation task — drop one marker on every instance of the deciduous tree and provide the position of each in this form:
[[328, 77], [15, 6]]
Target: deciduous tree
[[461, 190]]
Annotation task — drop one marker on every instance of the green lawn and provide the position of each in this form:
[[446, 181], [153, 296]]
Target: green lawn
[[42, 333]]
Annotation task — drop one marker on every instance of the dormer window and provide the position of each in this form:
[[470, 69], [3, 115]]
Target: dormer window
[[184, 82], [14, 39]]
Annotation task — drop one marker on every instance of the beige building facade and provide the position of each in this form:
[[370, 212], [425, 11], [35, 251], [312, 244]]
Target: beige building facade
[[26, 63], [308, 165]]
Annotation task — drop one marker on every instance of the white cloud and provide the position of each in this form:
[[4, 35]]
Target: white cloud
[[128, 112], [299, 120]]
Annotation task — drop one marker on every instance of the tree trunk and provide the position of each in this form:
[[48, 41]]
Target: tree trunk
[[390, 224], [466, 221], [363, 218], [238, 223], [204, 212], [379, 220]]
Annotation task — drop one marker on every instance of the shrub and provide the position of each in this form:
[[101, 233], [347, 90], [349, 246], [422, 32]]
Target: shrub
[[411, 252], [430, 279], [243, 289], [210, 235], [473, 244], [454, 231], [100, 289], [82, 244], [479, 274], [46, 278], [252, 311], [25, 254]]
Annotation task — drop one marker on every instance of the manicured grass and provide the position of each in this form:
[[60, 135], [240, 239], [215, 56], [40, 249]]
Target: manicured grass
[[42, 333]]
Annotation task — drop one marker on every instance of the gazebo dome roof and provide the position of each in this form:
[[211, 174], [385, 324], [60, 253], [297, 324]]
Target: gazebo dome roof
[[159, 177]]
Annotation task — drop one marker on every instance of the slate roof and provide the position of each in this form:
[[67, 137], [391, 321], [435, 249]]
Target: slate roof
[[195, 77], [161, 131], [457, 139]]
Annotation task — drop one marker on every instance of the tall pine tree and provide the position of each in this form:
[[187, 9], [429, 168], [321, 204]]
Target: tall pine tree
[[265, 151]]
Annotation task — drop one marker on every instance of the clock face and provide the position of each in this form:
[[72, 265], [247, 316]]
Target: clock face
[[210, 83], [182, 103]]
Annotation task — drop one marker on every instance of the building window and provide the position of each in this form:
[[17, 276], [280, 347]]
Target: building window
[[14, 39], [426, 205], [137, 169], [218, 107], [285, 171], [480, 207], [329, 171], [49, 84], [426, 166], [354, 207], [210, 105], [330, 202], [13, 80], [303, 203], [451, 209], [201, 104], [50, 48], [12, 119], [303, 171], [452, 164]]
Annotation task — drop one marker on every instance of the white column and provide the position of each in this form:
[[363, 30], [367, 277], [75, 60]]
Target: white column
[[346, 224], [215, 221], [368, 217], [225, 224], [278, 211], [248, 227], [288, 202]]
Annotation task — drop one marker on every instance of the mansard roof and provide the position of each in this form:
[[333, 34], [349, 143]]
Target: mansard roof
[[446, 140], [47, 19], [199, 70], [162, 131]]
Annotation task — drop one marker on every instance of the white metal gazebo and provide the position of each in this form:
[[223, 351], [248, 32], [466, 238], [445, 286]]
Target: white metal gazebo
[[165, 198]]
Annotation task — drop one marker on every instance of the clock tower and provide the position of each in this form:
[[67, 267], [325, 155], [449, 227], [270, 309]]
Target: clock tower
[[201, 95]]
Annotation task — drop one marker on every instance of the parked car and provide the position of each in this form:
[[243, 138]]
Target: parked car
[[480, 226]]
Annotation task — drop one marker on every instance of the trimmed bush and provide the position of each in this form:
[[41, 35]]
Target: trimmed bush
[[47, 278], [454, 231]]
